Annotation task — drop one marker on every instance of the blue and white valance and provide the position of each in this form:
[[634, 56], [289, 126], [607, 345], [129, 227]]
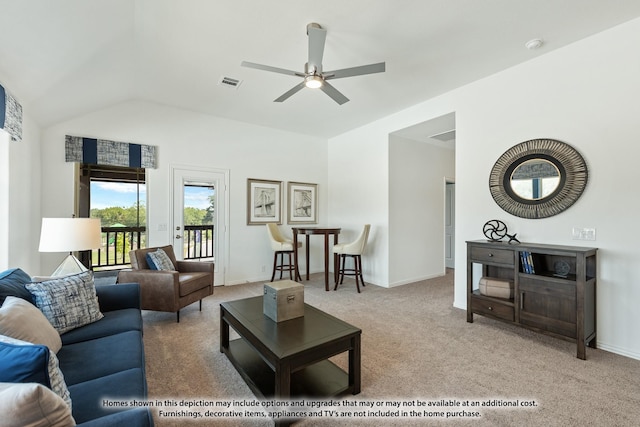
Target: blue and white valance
[[113, 153], [10, 115]]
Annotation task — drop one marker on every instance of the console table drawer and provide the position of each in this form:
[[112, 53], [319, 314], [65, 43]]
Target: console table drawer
[[493, 308], [490, 255]]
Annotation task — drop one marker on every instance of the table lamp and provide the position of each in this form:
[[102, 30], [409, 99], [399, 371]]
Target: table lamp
[[69, 235]]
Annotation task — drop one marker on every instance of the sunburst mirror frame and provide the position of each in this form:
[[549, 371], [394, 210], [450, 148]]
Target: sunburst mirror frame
[[570, 164]]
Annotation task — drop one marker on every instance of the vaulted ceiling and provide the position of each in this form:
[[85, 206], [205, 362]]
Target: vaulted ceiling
[[64, 58]]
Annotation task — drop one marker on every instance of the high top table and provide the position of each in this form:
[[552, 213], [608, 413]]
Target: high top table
[[326, 232]]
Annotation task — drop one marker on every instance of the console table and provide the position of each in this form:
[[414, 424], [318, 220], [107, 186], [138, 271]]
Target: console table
[[326, 232], [556, 295]]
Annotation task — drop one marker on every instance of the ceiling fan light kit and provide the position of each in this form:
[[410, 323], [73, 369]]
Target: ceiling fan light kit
[[313, 75], [313, 82]]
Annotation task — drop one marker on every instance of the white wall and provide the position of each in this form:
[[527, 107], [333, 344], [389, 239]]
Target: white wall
[[359, 194], [585, 94], [20, 198], [417, 172], [187, 138], [4, 200]]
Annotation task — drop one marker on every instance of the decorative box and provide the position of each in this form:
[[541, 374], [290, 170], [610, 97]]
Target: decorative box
[[499, 288], [283, 300]]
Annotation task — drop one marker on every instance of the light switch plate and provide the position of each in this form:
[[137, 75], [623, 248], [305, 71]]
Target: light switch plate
[[579, 233]]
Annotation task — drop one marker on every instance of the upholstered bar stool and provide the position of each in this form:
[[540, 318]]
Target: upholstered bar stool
[[353, 250], [281, 247]]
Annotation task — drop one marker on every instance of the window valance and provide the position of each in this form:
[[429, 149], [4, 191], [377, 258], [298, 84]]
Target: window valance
[[104, 152], [10, 115]]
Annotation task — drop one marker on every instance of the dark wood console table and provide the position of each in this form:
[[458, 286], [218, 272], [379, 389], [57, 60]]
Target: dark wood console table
[[326, 232], [554, 288]]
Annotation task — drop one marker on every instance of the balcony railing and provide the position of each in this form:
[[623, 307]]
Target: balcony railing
[[118, 241], [116, 244], [198, 241]]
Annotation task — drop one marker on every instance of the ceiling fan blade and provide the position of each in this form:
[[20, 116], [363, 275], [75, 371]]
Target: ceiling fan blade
[[355, 71], [290, 92], [272, 69], [334, 93], [317, 37]]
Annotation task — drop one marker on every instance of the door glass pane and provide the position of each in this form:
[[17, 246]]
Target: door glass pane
[[199, 221]]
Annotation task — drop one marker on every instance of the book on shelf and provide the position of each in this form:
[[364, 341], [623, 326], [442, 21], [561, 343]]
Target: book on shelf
[[527, 262]]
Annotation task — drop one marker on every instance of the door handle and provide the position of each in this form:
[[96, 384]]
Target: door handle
[[178, 236]]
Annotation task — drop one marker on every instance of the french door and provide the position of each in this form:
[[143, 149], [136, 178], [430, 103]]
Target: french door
[[199, 222]]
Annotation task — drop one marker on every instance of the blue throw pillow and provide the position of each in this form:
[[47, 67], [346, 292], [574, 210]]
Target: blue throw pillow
[[12, 284], [24, 364]]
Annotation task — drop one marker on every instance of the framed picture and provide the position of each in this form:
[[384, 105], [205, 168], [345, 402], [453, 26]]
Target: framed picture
[[302, 203], [264, 201]]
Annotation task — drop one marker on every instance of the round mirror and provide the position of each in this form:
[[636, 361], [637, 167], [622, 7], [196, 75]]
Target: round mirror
[[538, 178], [535, 179]]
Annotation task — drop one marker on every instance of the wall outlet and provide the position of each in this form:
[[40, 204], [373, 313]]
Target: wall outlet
[[584, 233], [264, 268]]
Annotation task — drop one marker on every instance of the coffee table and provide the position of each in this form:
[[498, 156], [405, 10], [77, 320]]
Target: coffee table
[[290, 358]]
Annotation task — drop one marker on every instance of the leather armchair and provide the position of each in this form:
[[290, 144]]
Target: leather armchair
[[164, 290]]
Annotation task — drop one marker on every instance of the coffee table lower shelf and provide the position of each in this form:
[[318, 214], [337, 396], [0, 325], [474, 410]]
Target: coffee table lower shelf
[[322, 379]]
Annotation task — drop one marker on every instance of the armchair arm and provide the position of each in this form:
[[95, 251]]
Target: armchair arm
[[195, 266], [159, 289]]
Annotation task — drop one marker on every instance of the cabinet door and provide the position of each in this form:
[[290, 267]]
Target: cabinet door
[[549, 305]]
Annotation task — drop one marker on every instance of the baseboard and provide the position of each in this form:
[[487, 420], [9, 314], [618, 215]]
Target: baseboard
[[416, 279], [618, 350]]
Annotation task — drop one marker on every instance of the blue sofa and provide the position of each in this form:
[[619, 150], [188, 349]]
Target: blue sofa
[[104, 361]]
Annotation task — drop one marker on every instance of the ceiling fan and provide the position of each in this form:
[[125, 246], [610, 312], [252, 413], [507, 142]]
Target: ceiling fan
[[313, 75]]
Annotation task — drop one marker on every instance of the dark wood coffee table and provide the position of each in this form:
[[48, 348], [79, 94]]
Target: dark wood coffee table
[[288, 359]]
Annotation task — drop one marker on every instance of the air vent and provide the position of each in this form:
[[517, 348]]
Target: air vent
[[229, 82], [445, 136]]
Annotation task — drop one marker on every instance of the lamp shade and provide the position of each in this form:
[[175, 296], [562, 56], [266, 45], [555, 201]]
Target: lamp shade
[[70, 234]]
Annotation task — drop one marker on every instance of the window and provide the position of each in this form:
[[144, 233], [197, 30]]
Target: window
[[116, 195]]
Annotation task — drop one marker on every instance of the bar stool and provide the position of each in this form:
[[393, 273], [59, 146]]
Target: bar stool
[[281, 247], [353, 250]]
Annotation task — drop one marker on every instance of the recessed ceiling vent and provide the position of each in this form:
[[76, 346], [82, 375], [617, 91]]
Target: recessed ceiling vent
[[229, 82], [445, 136]]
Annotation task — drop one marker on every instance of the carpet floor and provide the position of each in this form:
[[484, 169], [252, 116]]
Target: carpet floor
[[417, 349]]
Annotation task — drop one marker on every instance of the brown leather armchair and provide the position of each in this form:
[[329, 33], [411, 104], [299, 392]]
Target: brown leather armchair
[[164, 290]]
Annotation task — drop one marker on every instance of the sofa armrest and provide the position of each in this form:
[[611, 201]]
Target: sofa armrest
[[138, 417], [195, 266], [118, 297]]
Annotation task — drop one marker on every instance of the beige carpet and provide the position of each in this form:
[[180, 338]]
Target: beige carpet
[[415, 348]]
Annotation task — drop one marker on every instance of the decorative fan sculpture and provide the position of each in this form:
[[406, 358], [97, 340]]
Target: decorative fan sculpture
[[496, 230]]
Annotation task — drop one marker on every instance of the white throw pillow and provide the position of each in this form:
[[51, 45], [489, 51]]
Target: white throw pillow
[[22, 320], [67, 302], [32, 405]]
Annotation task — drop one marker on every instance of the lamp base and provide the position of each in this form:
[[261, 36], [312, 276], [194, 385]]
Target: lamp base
[[70, 265]]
